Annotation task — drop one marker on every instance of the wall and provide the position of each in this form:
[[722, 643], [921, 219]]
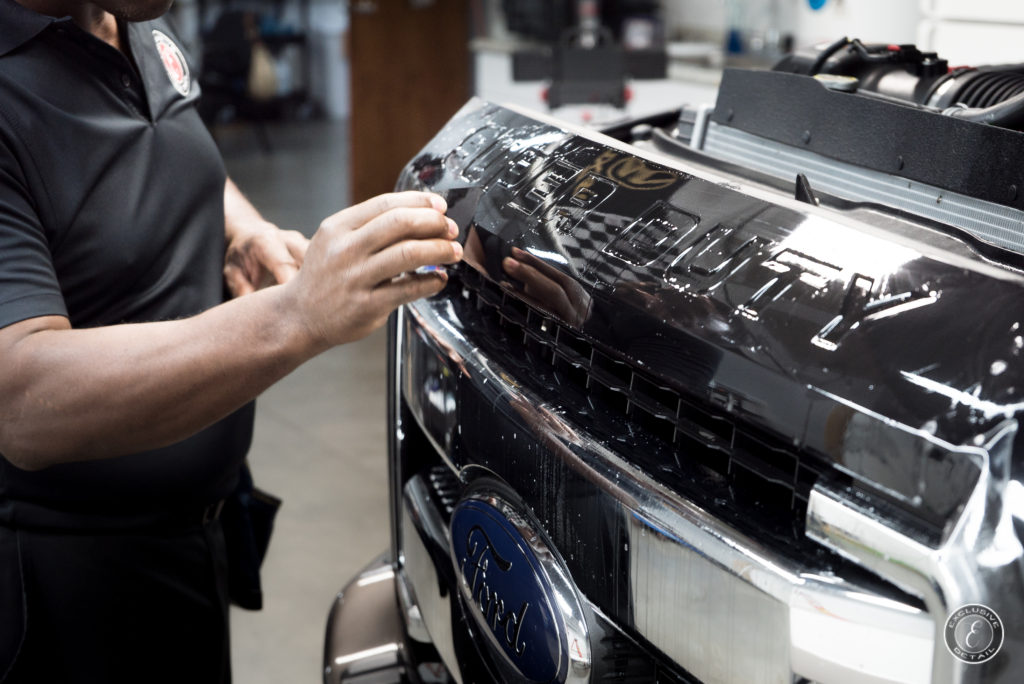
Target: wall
[[869, 20], [873, 21], [974, 31], [329, 67], [963, 31]]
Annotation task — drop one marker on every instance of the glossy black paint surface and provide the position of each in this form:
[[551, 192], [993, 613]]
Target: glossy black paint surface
[[883, 355]]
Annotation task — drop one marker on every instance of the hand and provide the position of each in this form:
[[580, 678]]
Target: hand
[[262, 255], [361, 264]]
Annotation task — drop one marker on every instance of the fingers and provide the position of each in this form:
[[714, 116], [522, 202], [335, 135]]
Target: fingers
[[297, 244], [408, 255], [411, 286], [360, 214], [360, 265], [280, 254], [237, 282], [283, 272], [403, 223], [276, 258], [262, 259]]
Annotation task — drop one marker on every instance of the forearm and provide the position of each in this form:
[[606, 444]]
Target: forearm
[[72, 395]]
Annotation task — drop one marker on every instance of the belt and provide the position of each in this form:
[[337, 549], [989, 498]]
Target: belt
[[212, 512], [29, 516]]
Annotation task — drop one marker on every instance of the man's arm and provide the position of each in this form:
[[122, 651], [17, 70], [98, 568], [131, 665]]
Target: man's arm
[[258, 253], [71, 395]]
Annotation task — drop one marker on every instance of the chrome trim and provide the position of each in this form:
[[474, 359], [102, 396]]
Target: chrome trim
[[422, 526], [415, 626], [415, 623], [977, 562], [439, 436], [397, 435], [751, 615], [700, 125], [364, 630]]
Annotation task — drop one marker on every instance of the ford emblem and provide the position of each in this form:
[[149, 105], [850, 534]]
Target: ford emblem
[[518, 592]]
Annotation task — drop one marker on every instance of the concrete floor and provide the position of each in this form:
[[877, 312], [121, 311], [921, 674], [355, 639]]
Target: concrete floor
[[320, 433]]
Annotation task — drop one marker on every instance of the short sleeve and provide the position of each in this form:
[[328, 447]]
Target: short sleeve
[[28, 282]]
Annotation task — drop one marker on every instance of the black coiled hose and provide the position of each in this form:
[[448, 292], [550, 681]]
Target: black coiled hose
[[994, 97], [988, 88], [1007, 114]]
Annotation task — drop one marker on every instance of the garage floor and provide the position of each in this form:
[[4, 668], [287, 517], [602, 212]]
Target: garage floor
[[320, 433]]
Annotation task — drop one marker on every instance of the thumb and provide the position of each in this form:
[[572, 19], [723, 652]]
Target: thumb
[[236, 281], [276, 259]]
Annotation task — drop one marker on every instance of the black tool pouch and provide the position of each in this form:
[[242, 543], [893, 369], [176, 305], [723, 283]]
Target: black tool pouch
[[247, 520]]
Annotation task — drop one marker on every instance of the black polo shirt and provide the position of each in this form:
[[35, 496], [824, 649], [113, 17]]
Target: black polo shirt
[[111, 211]]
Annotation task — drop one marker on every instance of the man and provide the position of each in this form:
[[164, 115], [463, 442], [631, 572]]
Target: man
[[125, 383]]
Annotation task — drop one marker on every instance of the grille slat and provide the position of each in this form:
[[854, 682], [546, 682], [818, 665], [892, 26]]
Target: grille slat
[[760, 470]]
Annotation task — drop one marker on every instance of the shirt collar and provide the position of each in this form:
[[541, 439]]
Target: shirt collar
[[20, 25]]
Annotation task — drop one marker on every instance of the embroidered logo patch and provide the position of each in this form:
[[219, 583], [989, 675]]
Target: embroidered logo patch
[[174, 62]]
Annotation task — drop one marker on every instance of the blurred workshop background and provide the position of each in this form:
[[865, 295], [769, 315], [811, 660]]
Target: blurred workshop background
[[317, 104]]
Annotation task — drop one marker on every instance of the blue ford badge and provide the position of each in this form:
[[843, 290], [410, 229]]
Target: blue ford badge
[[518, 592]]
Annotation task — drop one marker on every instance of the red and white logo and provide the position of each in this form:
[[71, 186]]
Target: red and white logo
[[174, 62]]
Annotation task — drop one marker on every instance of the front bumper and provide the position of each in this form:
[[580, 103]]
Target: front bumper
[[368, 636], [752, 614]]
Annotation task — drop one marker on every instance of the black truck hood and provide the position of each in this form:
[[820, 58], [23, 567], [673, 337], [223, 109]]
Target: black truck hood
[[885, 348]]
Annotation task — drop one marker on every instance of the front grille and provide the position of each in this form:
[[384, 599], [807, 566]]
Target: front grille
[[749, 480], [622, 659], [733, 465], [444, 489]]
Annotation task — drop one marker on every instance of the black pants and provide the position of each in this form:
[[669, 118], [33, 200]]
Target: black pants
[[114, 607]]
